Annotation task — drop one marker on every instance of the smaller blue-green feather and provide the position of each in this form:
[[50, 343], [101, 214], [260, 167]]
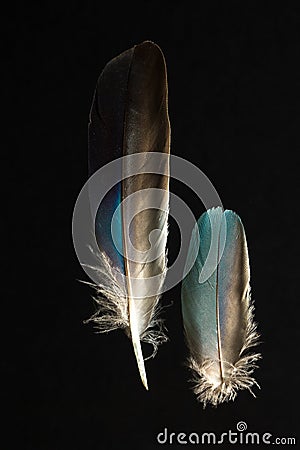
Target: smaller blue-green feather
[[217, 314]]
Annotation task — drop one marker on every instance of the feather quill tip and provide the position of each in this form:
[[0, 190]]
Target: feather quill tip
[[140, 362], [112, 313]]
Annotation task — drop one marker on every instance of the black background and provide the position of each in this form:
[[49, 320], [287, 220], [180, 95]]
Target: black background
[[234, 111]]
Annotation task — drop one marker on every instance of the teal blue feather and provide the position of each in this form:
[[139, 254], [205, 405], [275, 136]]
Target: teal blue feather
[[217, 311]]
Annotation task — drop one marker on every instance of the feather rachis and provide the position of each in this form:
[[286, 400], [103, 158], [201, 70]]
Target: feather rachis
[[142, 115]]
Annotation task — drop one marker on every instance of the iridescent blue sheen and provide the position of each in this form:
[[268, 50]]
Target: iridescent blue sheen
[[103, 227]]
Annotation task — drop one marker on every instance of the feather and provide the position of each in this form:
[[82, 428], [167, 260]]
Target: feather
[[217, 310], [129, 115]]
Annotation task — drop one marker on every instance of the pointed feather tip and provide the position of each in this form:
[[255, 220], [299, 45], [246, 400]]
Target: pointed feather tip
[[149, 50], [232, 215], [149, 45], [146, 46], [217, 220], [216, 211], [145, 383], [209, 224], [143, 377], [140, 362]]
